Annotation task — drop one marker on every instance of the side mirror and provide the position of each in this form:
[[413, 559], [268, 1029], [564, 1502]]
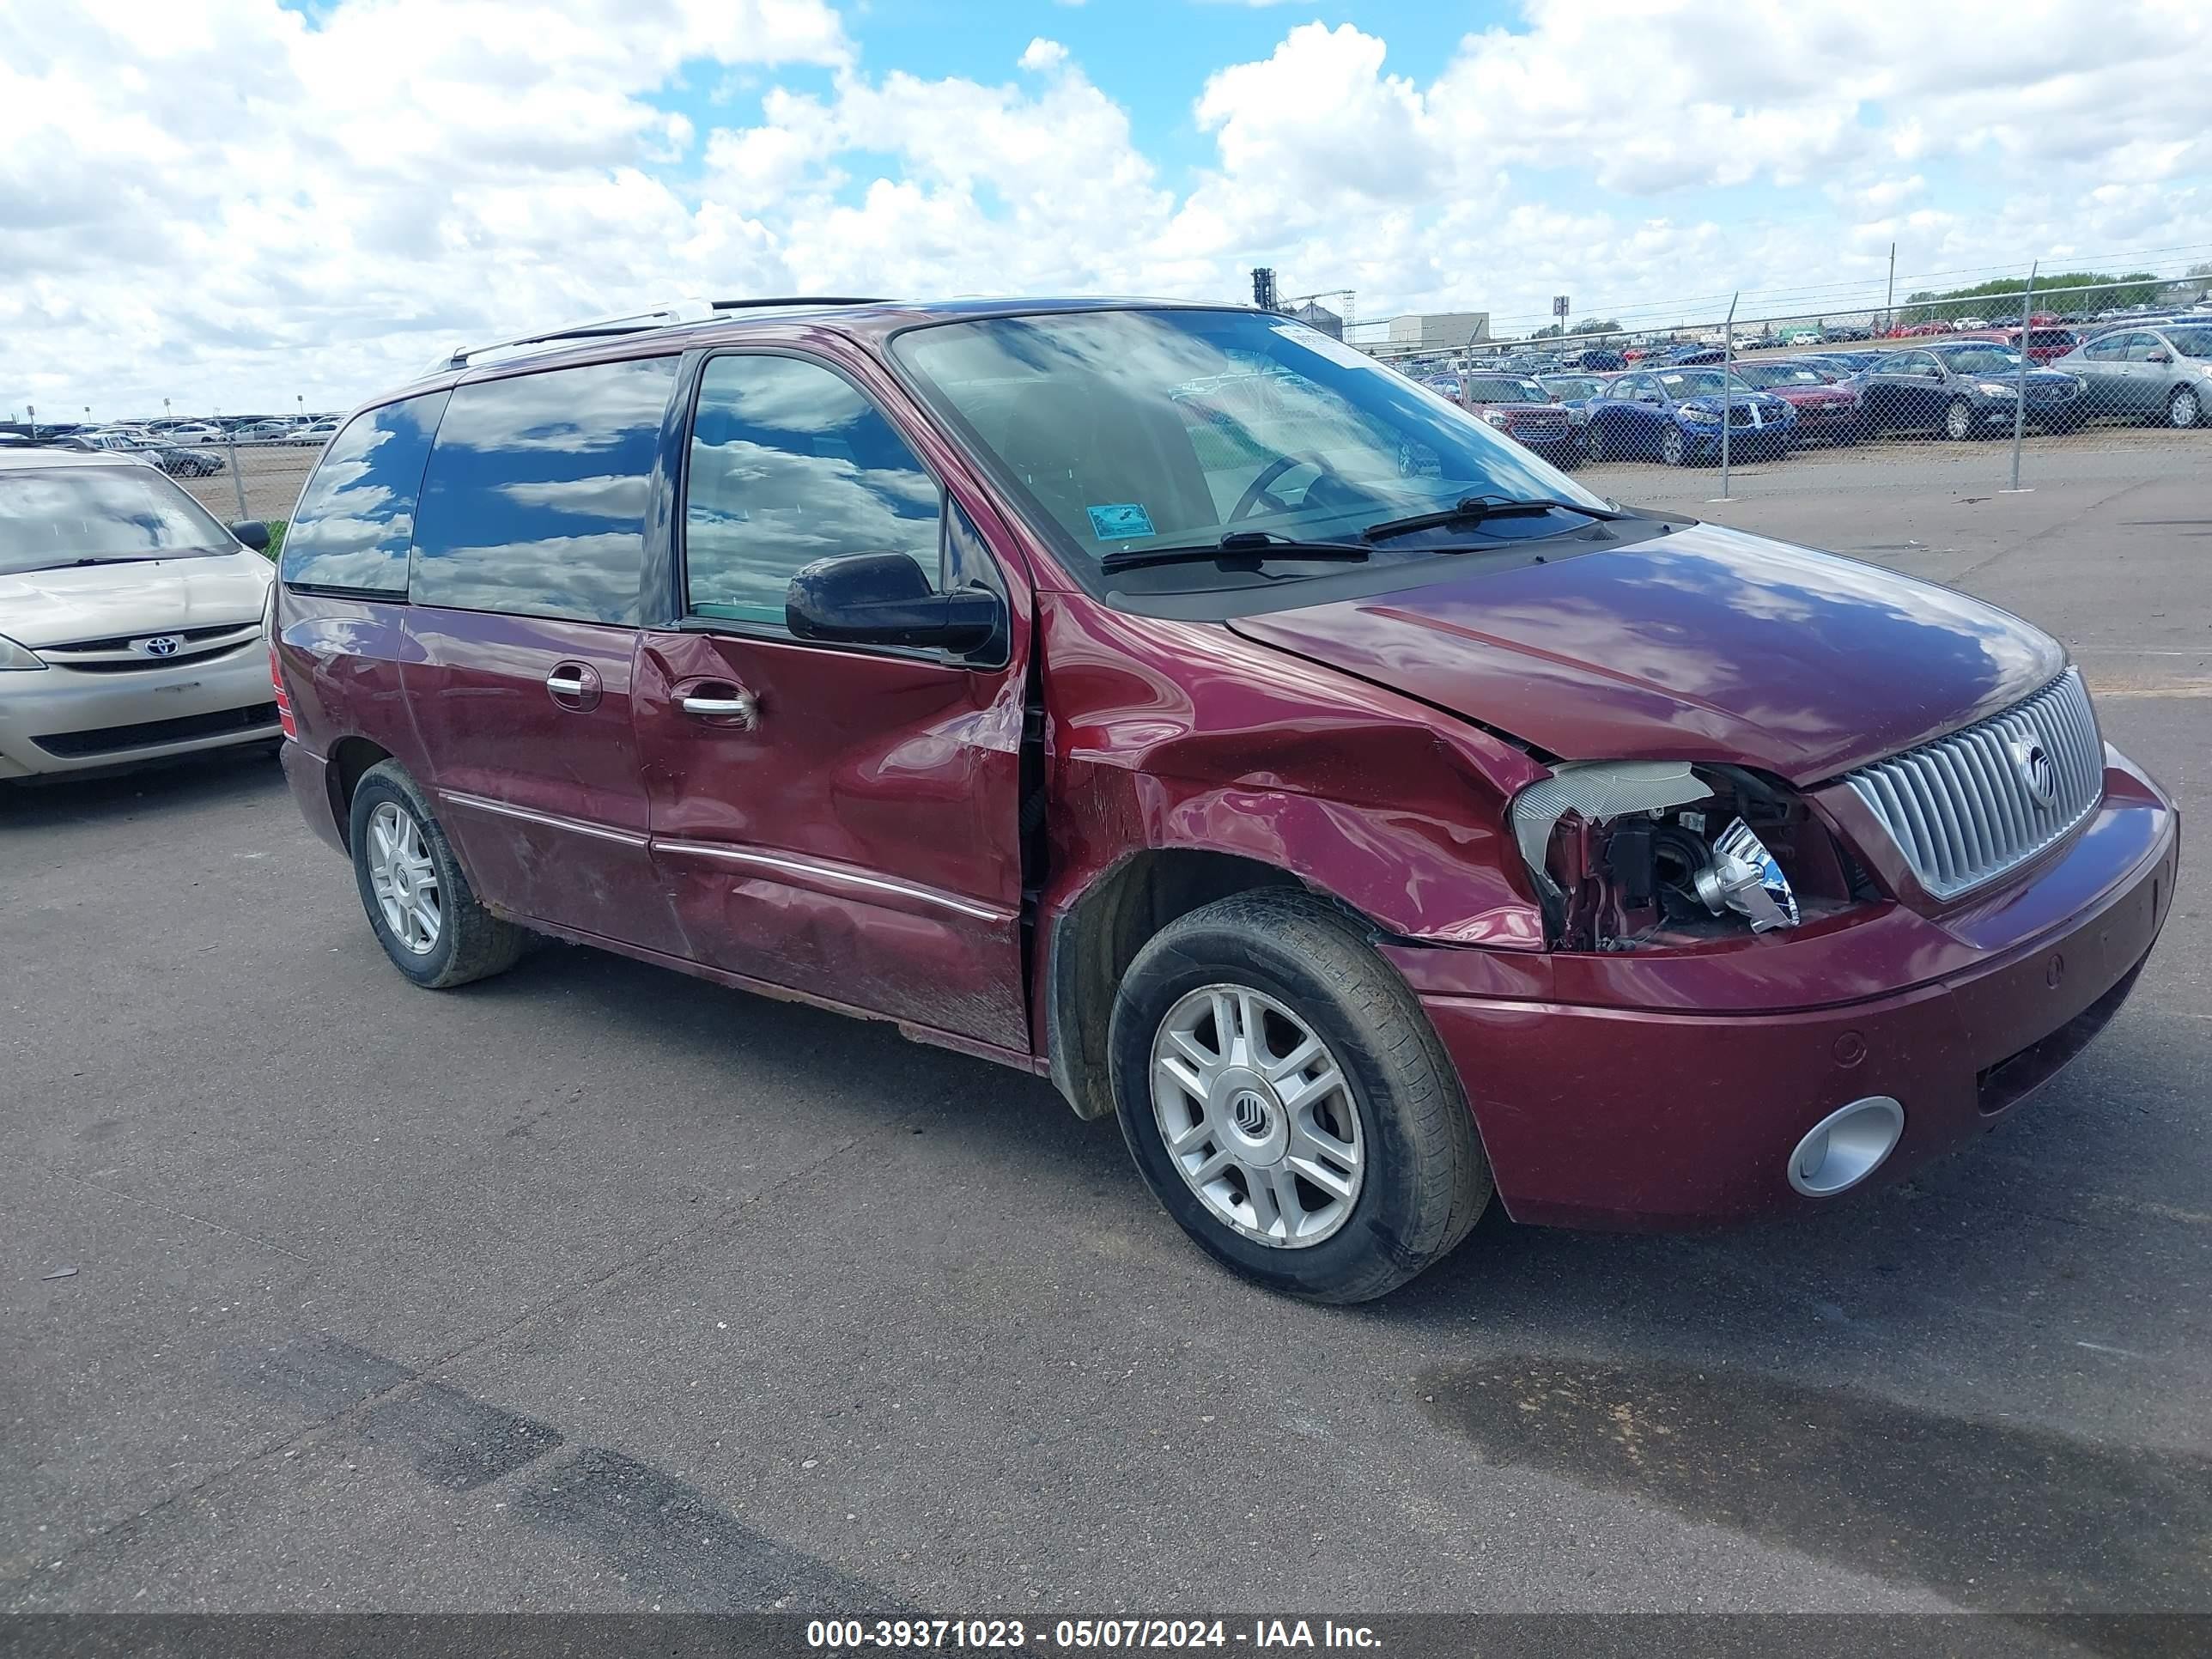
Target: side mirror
[[2161, 356], [253, 533], [885, 598]]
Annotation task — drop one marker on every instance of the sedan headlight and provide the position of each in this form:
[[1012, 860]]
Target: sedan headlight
[[1496, 419], [16, 657], [1703, 416], [1997, 389]]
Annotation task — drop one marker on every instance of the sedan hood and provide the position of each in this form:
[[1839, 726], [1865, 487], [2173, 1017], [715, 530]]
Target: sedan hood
[[1707, 644], [147, 596]]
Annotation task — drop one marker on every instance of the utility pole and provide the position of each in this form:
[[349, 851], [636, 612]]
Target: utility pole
[[1889, 299], [1728, 392]]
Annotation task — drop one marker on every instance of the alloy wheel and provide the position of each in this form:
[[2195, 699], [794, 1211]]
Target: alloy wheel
[[1257, 1116], [1959, 420], [403, 879], [2185, 407]]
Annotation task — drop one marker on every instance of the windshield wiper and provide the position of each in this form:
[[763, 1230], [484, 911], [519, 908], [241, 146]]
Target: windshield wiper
[[1236, 544], [1474, 509]]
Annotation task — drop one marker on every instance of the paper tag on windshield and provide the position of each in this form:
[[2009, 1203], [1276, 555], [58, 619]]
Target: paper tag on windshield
[[1118, 520]]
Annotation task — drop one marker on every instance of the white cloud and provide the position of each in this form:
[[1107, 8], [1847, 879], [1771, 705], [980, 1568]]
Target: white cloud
[[219, 201]]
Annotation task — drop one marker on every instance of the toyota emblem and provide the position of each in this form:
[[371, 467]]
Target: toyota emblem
[[161, 645], [2037, 775]]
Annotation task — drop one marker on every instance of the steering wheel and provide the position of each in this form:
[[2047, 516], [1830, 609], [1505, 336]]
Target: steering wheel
[[1248, 504]]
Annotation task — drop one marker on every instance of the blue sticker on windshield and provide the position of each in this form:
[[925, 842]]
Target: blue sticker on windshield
[[1119, 521]]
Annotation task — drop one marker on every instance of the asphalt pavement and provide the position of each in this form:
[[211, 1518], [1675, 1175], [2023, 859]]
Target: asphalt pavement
[[594, 1286]]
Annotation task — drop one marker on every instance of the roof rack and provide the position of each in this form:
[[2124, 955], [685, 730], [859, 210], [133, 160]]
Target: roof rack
[[673, 315]]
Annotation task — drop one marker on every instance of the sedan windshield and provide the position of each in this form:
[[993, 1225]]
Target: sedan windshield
[[1699, 383], [1767, 376], [1131, 430], [1502, 389], [71, 515], [1982, 360]]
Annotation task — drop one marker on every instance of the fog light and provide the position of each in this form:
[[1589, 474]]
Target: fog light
[[1846, 1146]]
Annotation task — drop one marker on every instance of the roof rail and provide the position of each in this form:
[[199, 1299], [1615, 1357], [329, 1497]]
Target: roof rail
[[671, 315]]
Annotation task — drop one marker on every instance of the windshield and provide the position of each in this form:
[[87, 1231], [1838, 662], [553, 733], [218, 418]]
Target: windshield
[[2191, 342], [1573, 385], [1134, 430], [1503, 389], [1982, 360], [1767, 376], [58, 518], [1699, 383]]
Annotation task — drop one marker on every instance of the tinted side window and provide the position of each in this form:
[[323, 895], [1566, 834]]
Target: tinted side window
[[356, 517], [790, 464], [535, 498]]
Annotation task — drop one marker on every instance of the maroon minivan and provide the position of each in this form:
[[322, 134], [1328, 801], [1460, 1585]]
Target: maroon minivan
[[1168, 701]]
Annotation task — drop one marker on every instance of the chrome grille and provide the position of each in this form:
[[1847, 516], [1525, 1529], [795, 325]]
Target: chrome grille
[[1960, 809]]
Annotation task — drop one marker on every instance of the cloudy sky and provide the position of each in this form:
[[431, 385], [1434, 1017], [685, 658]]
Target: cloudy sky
[[236, 203]]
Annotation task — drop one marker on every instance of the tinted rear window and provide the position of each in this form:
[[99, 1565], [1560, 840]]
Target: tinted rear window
[[356, 517], [535, 498]]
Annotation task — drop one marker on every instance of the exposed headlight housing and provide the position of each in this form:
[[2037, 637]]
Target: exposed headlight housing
[[17, 658], [1630, 855]]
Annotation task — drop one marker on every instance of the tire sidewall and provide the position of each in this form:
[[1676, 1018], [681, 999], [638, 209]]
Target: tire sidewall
[[379, 786], [1378, 1223]]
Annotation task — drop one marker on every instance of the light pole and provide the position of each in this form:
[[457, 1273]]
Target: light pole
[[164, 408]]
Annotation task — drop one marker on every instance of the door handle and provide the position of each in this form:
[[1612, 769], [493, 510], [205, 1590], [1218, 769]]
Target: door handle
[[565, 685], [574, 686], [737, 704]]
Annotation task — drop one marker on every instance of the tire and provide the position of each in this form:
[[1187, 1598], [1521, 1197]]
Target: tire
[[1959, 420], [469, 942], [2185, 407], [1417, 1180], [1673, 448]]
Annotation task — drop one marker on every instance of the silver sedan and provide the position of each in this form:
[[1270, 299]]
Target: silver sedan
[[2156, 372]]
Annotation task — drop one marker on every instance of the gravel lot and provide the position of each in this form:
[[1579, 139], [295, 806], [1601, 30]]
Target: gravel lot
[[594, 1286]]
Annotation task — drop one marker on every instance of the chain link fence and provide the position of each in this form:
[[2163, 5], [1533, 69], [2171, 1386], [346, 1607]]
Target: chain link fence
[[1998, 382]]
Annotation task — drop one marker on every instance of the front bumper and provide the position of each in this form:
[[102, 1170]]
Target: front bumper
[[61, 720], [1654, 1116]]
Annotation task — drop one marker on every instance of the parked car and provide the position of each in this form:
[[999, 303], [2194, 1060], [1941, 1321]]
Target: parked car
[[2045, 344], [1826, 412], [315, 432], [130, 619], [1576, 392], [1374, 826], [193, 431], [2162, 374], [1844, 333], [1692, 355], [1798, 337], [1674, 416], [1964, 389], [263, 432], [1521, 409], [1592, 360], [1846, 363]]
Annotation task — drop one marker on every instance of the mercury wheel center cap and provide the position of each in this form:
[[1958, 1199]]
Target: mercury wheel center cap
[[1251, 1115]]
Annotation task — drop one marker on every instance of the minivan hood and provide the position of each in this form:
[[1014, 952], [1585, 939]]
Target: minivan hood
[[145, 596], [1706, 644]]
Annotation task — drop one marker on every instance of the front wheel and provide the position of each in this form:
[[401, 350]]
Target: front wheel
[[1958, 421], [1672, 449], [1287, 1101], [2186, 408], [418, 898]]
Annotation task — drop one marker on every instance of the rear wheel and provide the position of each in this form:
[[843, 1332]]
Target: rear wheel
[[1285, 1099], [418, 899]]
